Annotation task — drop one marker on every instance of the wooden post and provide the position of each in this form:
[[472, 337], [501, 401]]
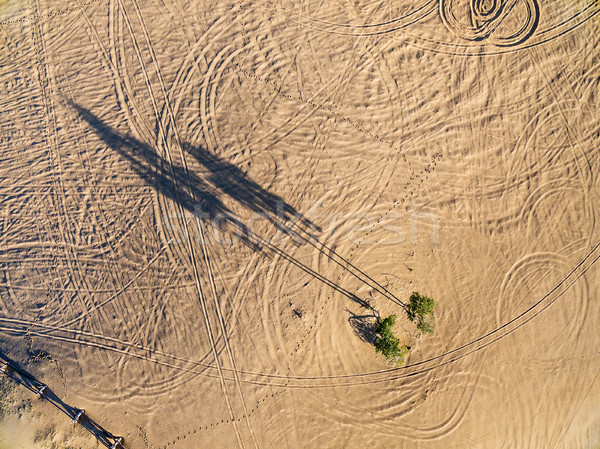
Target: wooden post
[[118, 443], [78, 416]]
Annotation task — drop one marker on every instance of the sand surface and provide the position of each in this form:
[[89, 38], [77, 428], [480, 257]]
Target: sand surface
[[198, 199]]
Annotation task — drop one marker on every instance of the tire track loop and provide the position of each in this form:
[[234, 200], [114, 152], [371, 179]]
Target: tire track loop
[[195, 59], [560, 29], [162, 137], [486, 28]]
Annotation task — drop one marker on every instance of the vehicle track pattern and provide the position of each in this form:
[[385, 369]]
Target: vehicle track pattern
[[228, 194]]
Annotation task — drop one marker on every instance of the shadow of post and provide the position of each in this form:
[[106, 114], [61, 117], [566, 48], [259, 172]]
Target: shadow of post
[[13, 370]]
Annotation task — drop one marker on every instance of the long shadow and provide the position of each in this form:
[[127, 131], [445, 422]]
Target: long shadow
[[232, 181], [13, 370], [187, 189], [201, 195]]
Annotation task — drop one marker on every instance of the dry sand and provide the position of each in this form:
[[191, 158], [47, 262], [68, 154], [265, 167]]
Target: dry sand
[[196, 197]]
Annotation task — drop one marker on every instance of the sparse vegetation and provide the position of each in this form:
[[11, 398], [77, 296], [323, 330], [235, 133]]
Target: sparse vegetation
[[387, 343], [420, 311]]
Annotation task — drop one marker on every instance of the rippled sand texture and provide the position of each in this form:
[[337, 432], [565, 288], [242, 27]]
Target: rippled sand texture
[[198, 197]]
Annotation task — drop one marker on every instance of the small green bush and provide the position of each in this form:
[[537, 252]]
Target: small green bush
[[420, 310], [386, 342]]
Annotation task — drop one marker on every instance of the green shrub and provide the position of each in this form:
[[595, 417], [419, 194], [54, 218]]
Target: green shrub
[[386, 342], [385, 326], [420, 310]]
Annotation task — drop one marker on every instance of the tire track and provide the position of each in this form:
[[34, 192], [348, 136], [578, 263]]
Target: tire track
[[162, 137], [204, 99], [100, 212], [544, 36], [348, 266], [363, 378], [200, 230], [224, 332], [458, 49], [58, 12], [378, 29], [487, 21], [60, 203], [587, 174], [119, 292], [129, 100]]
